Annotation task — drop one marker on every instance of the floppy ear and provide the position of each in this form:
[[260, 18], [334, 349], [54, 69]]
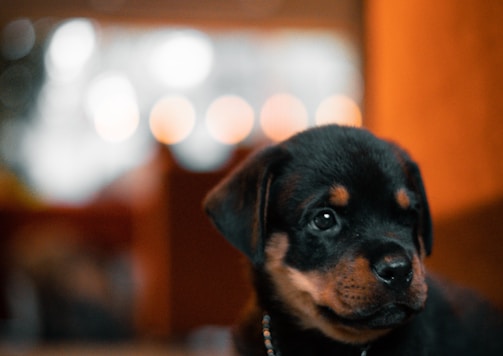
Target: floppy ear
[[416, 181], [238, 205]]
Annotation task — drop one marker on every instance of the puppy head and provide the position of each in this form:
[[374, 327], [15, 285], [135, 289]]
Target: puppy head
[[339, 222]]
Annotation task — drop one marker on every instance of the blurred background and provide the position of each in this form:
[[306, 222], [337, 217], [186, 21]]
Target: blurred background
[[117, 116]]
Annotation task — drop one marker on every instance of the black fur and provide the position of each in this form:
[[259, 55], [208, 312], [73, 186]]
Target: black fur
[[284, 190]]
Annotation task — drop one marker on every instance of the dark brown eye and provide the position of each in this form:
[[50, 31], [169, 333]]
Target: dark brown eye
[[324, 220]]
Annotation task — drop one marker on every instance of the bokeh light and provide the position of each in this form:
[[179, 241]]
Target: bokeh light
[[199, 152], [18, 38], [230, 119], [282, 116], [70, 48], [61, 170], [16, 85], [181, 59], [172, 119], [69, 166], [83, 106], [113, 107], [339, 109]]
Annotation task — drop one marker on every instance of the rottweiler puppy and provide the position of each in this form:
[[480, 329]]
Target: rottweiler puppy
[[335, 223]]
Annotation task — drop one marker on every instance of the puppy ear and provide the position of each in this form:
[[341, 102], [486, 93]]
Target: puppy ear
[[426, 226], [416, 181], [238, 205]]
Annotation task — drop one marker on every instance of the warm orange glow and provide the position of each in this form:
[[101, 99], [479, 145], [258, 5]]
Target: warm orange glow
[[339, 109], [230, 119], [282, 116], [172, 119]]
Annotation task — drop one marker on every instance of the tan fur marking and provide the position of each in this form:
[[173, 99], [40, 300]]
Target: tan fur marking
[[339, 195], [276, 249], [355, 286], [422, 249], [402, 198], [304, 291], [419, 286], [348, 287]]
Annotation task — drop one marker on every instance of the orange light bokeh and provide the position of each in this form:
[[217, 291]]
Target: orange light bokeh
[[230, 119], [282, 116], [339, 109], [172, 119]]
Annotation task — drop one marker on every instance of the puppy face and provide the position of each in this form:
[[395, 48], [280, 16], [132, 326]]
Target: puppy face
[[338, 221]]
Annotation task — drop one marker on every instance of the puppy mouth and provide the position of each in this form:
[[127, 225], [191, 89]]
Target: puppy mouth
[[385, 317]]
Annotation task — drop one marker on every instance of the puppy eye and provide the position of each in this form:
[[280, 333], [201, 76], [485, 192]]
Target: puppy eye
[[324, 220]]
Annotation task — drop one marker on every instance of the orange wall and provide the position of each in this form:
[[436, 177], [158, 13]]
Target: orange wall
[[435, 84]]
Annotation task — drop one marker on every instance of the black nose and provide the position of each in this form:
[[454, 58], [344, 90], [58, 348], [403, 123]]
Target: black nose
[[395, 271]]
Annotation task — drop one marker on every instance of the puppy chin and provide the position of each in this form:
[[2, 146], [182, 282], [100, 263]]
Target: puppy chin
[[358, 329], [297, 292], [314, 300], [347, 332], [387, 317]]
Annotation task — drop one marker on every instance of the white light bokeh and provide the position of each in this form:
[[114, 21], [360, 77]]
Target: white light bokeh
[[70, 48], [230, 119], [58, 168], [317, 63], [181, 59], [172, 119], [18, 38], [200, 152], [113, 107], [174, 80], [65, 166], [56, 99]]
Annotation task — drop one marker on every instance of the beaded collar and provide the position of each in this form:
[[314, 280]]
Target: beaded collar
[[268, 343], [266, 331]]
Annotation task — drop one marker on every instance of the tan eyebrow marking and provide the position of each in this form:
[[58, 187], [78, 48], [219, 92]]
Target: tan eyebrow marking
[[402, 198], [339, 195]]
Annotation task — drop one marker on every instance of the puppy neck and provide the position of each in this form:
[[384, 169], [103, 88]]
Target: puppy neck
[[273, 349]]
